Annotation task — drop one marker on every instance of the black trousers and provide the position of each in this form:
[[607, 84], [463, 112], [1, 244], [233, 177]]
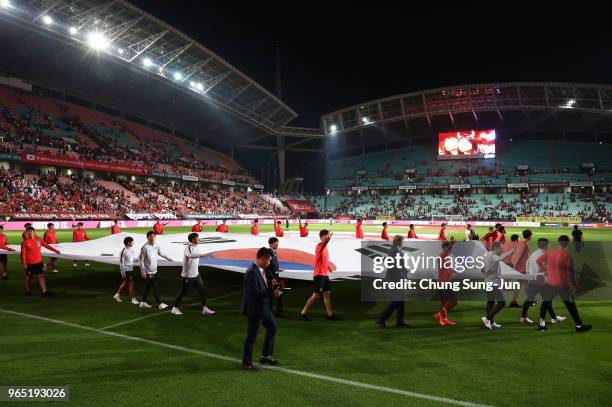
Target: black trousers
[[195, 282], [151, 283], [397, 306], [495, 302], [253, 324], [565, 295], [533, 289], [279, 305]]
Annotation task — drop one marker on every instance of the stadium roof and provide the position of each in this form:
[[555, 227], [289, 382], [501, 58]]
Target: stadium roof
[[126, 49], [534, 100]]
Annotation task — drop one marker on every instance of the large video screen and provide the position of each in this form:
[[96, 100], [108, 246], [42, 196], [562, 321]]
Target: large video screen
[[466, 144]]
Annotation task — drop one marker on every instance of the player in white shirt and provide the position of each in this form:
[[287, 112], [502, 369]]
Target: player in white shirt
[[190, 276], [126, 266], [148, 269]]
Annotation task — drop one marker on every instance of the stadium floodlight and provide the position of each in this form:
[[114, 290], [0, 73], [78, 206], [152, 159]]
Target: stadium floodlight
[[333, 128], [569, 104], [178, 76], [47, 20], [199, 87], [147, 62], [5, 3], [97, 40], [365, 120], [120, 51], [192, 84], [73, 30]]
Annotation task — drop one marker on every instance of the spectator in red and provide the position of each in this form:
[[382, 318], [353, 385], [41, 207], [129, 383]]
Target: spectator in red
[[31, 259], [50, 238], [79, 235]]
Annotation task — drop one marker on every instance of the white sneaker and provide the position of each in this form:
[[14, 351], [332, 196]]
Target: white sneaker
[[525, 321], [75, 265], [163, 306], [207, 311], [117, 298], [176, 311], [135, 301], [495, 325], [144, 305], [486, 323], [86, 264], [55, 270], [558, 319]]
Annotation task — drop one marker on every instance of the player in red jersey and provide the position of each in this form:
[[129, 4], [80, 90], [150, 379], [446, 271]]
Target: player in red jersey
[[359, 229], [197, 228], [384, 235], [50, 238], [158, 227], [26, 226], [448, 298], [321, 278], [558, 266], [411, 232], [115, 228], [222, 228], [4, 257], [255, 228], [501, 235], [31, 259], [79, 235], [488, 238], [303, 228], [278, 229], [442, 234]]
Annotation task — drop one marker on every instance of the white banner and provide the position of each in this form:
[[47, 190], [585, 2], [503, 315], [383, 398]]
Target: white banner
[[190, 178], [459, 186]]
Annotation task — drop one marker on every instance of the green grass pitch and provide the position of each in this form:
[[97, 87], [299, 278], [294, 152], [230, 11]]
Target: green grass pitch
[[148, 357]]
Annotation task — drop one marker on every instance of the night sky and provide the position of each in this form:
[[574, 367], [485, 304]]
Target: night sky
[[333, 57]]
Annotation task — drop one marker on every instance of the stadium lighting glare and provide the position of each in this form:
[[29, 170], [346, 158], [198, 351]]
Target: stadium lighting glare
[[178, 76], [47, 20], [199, 87], [5, 3], [192, 84], [147, 62], [365, 120], [97, 40], [333, 128], [569, 104], [72, 30], [120, 50]]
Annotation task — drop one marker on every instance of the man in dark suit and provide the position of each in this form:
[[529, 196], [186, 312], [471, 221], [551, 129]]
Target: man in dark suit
[[257, 292], [274, 276], [396, 299]]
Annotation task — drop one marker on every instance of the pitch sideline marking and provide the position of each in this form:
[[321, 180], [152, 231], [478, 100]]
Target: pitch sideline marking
[[129, 321], [317, 376]]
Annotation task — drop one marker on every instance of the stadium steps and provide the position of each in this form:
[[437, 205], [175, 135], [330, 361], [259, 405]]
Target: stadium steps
[[114, 186]]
